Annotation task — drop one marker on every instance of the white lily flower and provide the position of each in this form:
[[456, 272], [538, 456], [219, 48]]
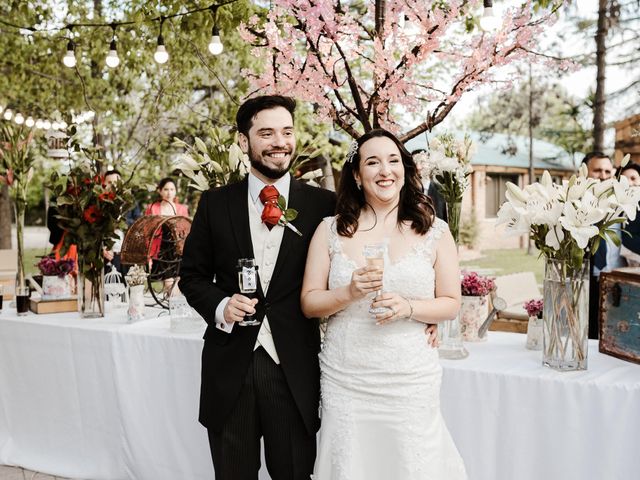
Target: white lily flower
[[580, 218], [235, 154], [317, 173], [627, 197], [200, 182], [516, 223], [186, 162], [554, 237]]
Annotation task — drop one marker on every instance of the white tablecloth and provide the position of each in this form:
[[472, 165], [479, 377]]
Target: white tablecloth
[[100, 399]]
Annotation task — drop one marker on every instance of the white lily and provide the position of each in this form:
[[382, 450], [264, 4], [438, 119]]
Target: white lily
[[235, 154], [627, 197], [580, 218], [554, 237], [516, 223], [199, 182]]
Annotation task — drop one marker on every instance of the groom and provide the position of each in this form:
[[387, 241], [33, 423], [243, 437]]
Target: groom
[[257, 381]]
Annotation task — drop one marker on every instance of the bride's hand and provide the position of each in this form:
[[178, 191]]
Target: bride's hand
[[364, 281], [397, 307]]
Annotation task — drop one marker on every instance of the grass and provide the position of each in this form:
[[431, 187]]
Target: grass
[[503, 262]]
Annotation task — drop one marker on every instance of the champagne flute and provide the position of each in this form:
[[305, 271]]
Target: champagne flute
[[248, 283], [374, 256]]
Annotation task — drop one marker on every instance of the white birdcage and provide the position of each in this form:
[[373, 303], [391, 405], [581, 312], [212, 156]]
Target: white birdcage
[[115, 290]]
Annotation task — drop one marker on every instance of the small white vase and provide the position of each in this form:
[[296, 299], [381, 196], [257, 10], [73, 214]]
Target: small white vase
[[55, 287], [473, 313], [534, 333], [136, 303]]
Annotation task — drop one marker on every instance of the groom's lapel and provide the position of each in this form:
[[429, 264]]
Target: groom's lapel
[[290, 239], [239, 214]]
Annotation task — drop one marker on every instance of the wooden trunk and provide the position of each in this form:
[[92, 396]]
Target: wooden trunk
[[619, 314]]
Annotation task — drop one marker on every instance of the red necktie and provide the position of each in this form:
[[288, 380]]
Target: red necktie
[[271, 213]]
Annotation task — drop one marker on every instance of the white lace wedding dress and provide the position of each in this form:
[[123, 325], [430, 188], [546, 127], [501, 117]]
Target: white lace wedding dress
[[381, 384]]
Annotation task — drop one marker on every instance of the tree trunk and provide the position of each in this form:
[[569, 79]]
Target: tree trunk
[[601, 53], [5, 217], [532, 177]]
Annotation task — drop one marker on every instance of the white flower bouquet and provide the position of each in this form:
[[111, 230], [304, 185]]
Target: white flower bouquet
[[448, 165]]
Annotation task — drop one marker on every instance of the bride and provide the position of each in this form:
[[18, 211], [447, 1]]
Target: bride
[[380, 379]]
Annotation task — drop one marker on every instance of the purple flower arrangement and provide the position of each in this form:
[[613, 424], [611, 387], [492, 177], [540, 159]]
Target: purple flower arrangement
[[534, 308], [474, 285], [51, 267]]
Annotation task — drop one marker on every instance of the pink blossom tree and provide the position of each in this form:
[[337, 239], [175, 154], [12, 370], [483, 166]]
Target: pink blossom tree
[[371, 64]]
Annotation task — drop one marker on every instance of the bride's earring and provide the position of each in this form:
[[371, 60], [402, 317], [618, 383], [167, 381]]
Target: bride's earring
[[359, 185]]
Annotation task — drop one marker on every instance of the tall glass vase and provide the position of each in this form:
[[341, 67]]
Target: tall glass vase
[[20, 208], [90, 291], [450, 331], [565, 315]]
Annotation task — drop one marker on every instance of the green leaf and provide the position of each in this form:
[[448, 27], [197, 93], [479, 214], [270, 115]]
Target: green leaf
[[282, 203], [290, 214]]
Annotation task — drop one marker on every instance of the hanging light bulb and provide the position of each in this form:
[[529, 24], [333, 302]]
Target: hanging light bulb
[[8, 114], [19, 119], [489, 22], [63, 125], [161, 56], [39, 123], [112, 57], [215, 45], [29, 122], [46, 125], [69, 58], [55, 125]]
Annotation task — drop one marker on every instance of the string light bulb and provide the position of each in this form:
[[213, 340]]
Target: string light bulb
[[46, 125], [112, 59], [161, 56], [29, 122], [39, 123], [19, 119], [489, 22], [69, 58], [215, 45], [8, 114]]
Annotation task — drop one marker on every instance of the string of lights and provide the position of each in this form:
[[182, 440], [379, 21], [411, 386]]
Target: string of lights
[[43, 123], [161, 54]]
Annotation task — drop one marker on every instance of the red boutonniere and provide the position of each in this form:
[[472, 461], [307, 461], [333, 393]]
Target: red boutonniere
[[275, 211]]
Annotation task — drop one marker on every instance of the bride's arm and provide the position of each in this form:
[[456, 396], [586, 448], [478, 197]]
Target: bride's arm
[[316, 299], [446, 303]]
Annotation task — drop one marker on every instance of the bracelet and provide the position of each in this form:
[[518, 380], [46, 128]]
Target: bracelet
[[410, 317]]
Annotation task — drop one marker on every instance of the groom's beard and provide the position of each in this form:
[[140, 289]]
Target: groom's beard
[[266, 170]]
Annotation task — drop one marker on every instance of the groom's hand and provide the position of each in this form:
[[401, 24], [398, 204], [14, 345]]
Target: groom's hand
[[238, 306], [431, 331]]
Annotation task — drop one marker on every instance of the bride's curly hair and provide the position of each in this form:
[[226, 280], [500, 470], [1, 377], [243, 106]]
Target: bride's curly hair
[[414, 205]]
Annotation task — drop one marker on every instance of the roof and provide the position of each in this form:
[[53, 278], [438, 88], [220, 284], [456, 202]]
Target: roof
[[491, 151]]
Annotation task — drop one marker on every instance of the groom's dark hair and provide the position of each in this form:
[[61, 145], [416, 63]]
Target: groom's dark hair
[[414, 206], [250, 108]]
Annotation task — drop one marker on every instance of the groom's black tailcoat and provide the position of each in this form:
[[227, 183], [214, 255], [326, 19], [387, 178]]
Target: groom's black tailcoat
[[219, 236]]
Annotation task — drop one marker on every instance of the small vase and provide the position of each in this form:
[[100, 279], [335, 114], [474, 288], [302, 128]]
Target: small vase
[[55, 287], [473, 312], [450, 336], [534, 333], [565, 315], [136, 303], [91, 294]]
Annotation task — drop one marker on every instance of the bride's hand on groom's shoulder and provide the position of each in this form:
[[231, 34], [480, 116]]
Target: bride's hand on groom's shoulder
[[364, 281]]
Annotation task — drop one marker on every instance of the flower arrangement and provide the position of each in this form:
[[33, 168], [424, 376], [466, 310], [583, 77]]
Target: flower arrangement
[[49, 266], [217, 162], [474, 285], [534, 307], [16, 169], [448, 165], [90, 212], [567, 221], [136, 276]]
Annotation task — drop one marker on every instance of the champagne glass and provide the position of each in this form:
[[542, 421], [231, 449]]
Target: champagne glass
[[374, 256], [248, 283]]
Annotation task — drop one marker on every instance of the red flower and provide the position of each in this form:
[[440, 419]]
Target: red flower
[[271, 214], [107, 196], [92, 214]]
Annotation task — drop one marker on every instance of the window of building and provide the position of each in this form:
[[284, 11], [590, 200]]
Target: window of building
[[496, 190]]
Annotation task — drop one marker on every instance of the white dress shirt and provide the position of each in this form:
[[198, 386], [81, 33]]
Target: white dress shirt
[[266, 247]]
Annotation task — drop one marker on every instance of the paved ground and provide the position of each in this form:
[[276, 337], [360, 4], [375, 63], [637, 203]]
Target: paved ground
[[15, 473]]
